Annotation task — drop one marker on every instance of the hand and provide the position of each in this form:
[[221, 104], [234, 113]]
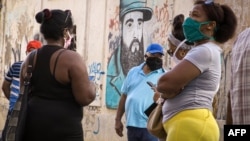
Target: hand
[[119, 127], [157, 95], [154, 89]]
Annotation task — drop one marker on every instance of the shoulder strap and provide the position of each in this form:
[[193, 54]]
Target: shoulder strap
[[29, 68], [57, 60]]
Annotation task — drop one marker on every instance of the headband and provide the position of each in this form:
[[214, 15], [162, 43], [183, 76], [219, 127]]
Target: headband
[[176, 42]]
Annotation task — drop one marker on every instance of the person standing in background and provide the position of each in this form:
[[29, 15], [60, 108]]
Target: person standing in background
[[11, 82], [178, 48], [239, 97], [138, 95], [189, 88]]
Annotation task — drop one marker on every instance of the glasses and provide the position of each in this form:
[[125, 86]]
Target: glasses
[[209, 2], [170, 52]]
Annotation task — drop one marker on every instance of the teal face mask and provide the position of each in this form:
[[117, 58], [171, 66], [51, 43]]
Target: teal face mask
[[191, 29]]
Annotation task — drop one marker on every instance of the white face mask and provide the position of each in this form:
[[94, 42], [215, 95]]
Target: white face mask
[[175, 59], [67, 42]]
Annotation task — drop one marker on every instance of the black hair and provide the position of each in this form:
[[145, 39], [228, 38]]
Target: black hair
[[225, 18], [177, 29], [54, 22]]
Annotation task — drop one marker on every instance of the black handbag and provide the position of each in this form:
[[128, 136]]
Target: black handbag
[[15, 124], [150, 109]]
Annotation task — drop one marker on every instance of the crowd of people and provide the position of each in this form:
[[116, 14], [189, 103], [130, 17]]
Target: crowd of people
[[60, 87]]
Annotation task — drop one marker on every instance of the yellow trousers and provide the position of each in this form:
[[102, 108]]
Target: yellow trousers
[[192, 125]]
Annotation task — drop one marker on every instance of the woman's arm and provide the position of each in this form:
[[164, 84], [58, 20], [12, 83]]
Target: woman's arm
[[172, 82], [83, 89]]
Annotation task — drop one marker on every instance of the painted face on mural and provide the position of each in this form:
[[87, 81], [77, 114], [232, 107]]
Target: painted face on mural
[[132, 51], [132, 29]]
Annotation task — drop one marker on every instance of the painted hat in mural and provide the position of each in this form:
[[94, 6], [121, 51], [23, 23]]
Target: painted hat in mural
[[155, 48], [127, 6]]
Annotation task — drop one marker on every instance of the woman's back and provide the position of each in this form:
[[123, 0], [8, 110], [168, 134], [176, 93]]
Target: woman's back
[[60, 84], [52, 106]]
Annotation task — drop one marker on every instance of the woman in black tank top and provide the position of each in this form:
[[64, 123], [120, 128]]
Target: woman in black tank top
[[59, 86]]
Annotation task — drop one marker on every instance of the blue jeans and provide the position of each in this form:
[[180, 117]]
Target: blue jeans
[[139, 134]]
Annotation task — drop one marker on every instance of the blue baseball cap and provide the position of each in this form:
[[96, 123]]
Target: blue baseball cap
[[155, 48]]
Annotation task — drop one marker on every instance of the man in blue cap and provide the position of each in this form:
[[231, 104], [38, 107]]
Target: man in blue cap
[[137, 95], [133, 13]]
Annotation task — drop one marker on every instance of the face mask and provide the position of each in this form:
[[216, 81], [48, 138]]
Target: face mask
[[191, 29], [175, 59], [154, 63], [67, 42]]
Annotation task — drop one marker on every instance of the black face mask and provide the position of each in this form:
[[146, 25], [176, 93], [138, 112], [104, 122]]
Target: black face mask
[[154, 63]]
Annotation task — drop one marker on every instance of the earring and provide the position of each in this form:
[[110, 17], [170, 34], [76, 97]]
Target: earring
[[65, 32], [183, 54]]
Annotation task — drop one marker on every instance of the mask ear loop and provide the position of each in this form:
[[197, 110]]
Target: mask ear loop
[[177, 48]]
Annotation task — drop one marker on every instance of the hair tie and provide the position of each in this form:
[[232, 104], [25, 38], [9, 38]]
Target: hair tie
[[47, 14]]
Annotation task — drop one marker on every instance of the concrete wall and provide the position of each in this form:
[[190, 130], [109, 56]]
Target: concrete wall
[[98, 33]]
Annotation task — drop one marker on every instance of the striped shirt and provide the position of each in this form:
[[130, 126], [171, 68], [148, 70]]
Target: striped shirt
[[240, 79], [12, 76]]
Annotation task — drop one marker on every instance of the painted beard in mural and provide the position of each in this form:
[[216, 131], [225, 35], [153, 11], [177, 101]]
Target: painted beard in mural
[[131, 56]]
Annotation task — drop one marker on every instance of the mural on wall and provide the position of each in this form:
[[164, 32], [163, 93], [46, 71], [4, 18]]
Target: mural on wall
[[95, 73], [92, 122], [127, 49], [130, 50]]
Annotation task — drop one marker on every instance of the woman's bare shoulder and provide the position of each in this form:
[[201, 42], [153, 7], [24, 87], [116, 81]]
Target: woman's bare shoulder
[[72, 58]]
